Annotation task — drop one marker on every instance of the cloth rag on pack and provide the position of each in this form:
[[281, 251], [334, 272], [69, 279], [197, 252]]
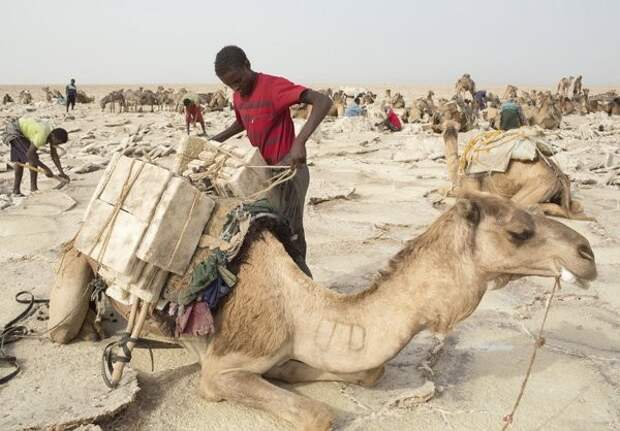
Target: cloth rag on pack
[[195, 320], [492, 151], [205, 275]]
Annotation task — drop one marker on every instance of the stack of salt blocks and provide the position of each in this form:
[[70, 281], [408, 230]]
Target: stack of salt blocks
[[155, 232], [244, 172]]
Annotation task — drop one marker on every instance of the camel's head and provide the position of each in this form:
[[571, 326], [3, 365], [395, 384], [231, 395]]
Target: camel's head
[[508, 242]]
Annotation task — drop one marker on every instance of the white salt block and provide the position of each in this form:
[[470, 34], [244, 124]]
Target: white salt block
[[176, 227], [144, 282], [207, 156], [111, 241], [145, 183], [105, 178], [239, 177], [197, 165], [188, 149]]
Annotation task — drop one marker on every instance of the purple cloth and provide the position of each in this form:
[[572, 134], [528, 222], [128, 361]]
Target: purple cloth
[[196, 320]]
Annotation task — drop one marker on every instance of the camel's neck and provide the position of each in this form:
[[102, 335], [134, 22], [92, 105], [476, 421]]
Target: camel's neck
[[430, 287], [452, 155]]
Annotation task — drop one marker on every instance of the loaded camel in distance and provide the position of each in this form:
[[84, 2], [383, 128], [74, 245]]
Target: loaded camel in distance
[[537, 184]]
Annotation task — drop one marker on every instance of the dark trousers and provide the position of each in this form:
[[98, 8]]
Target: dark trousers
[[288, 199], [70, 101]]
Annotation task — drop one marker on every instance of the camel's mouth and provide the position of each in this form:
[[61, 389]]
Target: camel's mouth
[[569, 277]]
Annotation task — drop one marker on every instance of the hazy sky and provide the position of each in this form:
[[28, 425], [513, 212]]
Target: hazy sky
[[314, 41]]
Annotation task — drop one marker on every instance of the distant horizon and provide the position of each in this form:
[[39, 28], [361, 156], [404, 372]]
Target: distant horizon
[[311, 84], [410, 43]]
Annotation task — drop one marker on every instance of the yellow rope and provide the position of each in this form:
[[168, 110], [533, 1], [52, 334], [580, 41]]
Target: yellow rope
[[276, 180]]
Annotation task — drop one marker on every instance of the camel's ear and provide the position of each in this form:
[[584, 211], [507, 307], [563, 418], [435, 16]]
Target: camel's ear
[[469, 210]]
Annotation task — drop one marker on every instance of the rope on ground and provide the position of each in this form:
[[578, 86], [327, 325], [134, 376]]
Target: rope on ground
[[11, 332], [538, 343]]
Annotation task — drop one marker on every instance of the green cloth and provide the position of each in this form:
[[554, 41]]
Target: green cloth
[[204, 274], [35, 131], [510, 116]]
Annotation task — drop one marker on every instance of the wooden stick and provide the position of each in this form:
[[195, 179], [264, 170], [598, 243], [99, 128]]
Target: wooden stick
[[132, 314], [62, 181], [117, 372]]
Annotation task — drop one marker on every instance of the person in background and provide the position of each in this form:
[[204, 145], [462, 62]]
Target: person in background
[[26, 136], [511, 115], [193, 112], [354, 109], [391, 122], [71, 95], [261, 103], [480, 97]]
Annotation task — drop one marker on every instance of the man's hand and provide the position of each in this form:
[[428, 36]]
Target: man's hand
[[295, 157]]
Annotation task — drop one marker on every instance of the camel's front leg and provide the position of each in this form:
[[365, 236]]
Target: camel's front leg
[[433, 354], [252, 390], [298, 372], [532, 195]]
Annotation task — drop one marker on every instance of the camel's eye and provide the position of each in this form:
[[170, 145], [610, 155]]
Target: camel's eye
[[521, 236]]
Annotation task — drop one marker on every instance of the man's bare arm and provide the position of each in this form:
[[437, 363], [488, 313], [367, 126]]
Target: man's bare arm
[[321, 105], [56, 160], [231, 131], [33, 159]]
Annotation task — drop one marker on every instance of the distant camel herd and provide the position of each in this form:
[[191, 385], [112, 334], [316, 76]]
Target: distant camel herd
[[542, 108]]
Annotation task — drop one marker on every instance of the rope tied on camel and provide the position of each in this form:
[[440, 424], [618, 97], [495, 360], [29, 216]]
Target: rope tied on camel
[[538, 343]]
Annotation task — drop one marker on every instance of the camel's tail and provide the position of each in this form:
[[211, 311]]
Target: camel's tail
[[450, 138]]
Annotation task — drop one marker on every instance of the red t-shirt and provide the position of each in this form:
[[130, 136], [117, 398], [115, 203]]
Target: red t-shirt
[[394, 120], [265, 115], [193, 114]]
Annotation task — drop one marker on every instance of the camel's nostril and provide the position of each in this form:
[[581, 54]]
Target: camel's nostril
[[586, 252]]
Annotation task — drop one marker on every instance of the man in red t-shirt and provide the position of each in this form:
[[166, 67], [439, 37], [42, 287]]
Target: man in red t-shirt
[[261, 104], [391, 122], [193, 113]]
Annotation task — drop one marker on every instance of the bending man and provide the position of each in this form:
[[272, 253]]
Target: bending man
[[25, 137]]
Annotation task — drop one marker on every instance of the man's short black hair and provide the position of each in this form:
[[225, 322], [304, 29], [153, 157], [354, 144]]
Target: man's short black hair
[[187, 102], [228, 58], [60, 135]]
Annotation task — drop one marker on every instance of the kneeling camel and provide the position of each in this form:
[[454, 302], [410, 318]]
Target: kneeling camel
[[537, 184], [278, 323]]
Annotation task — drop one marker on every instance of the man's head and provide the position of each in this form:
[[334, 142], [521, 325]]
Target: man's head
[[187, 102], [233, 68], [72, 81], [58, 136]]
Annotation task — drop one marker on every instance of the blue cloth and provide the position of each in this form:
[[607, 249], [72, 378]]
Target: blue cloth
[[217, 290], [353, 111]]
